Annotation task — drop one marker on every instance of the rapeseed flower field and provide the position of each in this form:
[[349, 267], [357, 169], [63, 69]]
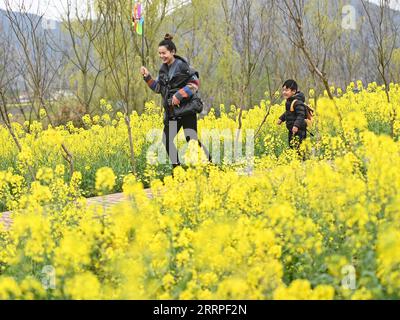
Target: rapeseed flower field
[[324, 225]]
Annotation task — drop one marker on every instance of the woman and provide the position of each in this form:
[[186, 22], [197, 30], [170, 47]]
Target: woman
[[177, 83]]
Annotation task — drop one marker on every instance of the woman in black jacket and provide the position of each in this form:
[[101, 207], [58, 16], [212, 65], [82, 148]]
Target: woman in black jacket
[[177, 83]]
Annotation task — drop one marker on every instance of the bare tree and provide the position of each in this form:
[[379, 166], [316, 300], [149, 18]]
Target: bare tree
[[116, 49], [313, 38], [83, 28], [384, 35], [8, 77], [33, 55], [253, 39], [35, 61]]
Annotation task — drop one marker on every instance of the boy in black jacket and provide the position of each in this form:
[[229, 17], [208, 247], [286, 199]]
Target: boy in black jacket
[[295, 114]]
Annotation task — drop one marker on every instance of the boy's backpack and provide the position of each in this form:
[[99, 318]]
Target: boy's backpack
[[309, 113]]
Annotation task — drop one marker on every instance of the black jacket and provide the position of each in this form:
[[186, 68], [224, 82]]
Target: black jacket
[[170, 82], [296, 118]]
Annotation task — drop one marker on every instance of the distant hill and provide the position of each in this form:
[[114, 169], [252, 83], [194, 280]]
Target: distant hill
[[53, 29], [52, 26]]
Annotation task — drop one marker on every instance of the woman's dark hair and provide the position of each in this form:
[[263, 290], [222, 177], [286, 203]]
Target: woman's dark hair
[[167, 42], [291, 84]]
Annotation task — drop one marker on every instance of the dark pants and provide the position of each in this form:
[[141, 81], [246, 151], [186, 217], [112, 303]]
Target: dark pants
[[296, 140], [172, 128]]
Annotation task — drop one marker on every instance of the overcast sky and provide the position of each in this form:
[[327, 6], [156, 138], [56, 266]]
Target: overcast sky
[[395, 4], [55, 8]]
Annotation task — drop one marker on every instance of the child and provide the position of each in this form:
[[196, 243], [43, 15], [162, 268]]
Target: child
[[295, 114]]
